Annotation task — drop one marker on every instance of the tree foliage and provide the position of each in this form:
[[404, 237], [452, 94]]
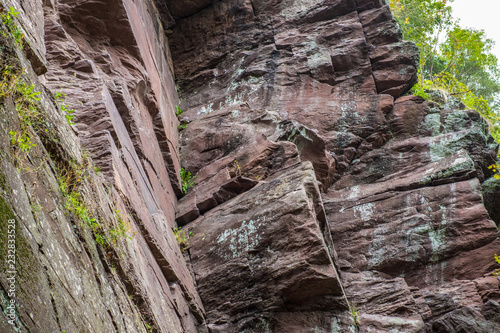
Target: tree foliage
[[454, 59]]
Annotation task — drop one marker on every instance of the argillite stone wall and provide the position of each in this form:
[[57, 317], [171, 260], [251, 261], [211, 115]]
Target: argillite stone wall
[[326, 200], [320, 187], [111, 61]]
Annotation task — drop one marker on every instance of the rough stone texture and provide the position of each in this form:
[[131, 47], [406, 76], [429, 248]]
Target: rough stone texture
[[268, 255], [115, 58], [186, 8], [401, 178], [111, 60], [324, 201], [30, 20]]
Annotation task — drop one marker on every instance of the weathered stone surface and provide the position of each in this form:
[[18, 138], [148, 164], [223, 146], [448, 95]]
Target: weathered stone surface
[[401, 177], [123, 92], [111, 61], [266, 253], [30, 19], [491, 190], [284, 48], [186, 8], [464, 320], [413, 208], [324, 201]]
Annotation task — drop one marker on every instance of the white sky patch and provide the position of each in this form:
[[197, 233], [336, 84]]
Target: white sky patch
[[480, 14]]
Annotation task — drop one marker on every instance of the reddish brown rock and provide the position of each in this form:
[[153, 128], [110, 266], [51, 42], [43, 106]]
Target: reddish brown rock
[[111, 61], [265, 251], [323, 201], [401, 178]]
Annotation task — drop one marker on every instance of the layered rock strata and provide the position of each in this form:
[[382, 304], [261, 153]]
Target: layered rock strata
[[123, 271], [274, 88], [325, 200]]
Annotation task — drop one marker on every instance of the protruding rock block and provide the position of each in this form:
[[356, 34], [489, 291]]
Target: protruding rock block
[[264, 252]]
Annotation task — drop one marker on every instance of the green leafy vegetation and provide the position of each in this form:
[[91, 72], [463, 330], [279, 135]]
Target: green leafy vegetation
[[182, 238], [497, 259], [8, 19], [354, 314], [26, 101], [22, 141], [67, 111], [187, 181], [178, 110], [10, 76], [452, 59], [121, 231], [31, 120], [11, 38], [70, 181], [183, 122]]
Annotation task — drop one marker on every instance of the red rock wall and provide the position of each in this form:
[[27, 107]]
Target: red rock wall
[[111, 60], [324, 201], [393, 213]]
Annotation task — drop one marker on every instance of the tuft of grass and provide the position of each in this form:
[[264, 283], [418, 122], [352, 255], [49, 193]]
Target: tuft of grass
[[70, 179], [122, 231], [66, 110], [26, 101], [187, 181], [31, 120], [354, 314], [8, 18], [182, 238]]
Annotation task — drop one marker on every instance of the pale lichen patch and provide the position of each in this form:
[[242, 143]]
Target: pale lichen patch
[[242, 239]]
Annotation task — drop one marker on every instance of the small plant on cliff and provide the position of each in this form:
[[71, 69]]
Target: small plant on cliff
[[182, 238], [8, 19], [31, 120], [184, 122], [149, 327], [70, 179], [22, 141], [497, 271], [10, 74], [68, 113], [187, 180], [237, 168], [26, 101], [178, 111], [122, 231], [10, 66], [354, 314]]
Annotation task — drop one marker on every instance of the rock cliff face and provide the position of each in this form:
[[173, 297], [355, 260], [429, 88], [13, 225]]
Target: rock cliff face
[[111, 61], [325, 200], [391, 210]]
